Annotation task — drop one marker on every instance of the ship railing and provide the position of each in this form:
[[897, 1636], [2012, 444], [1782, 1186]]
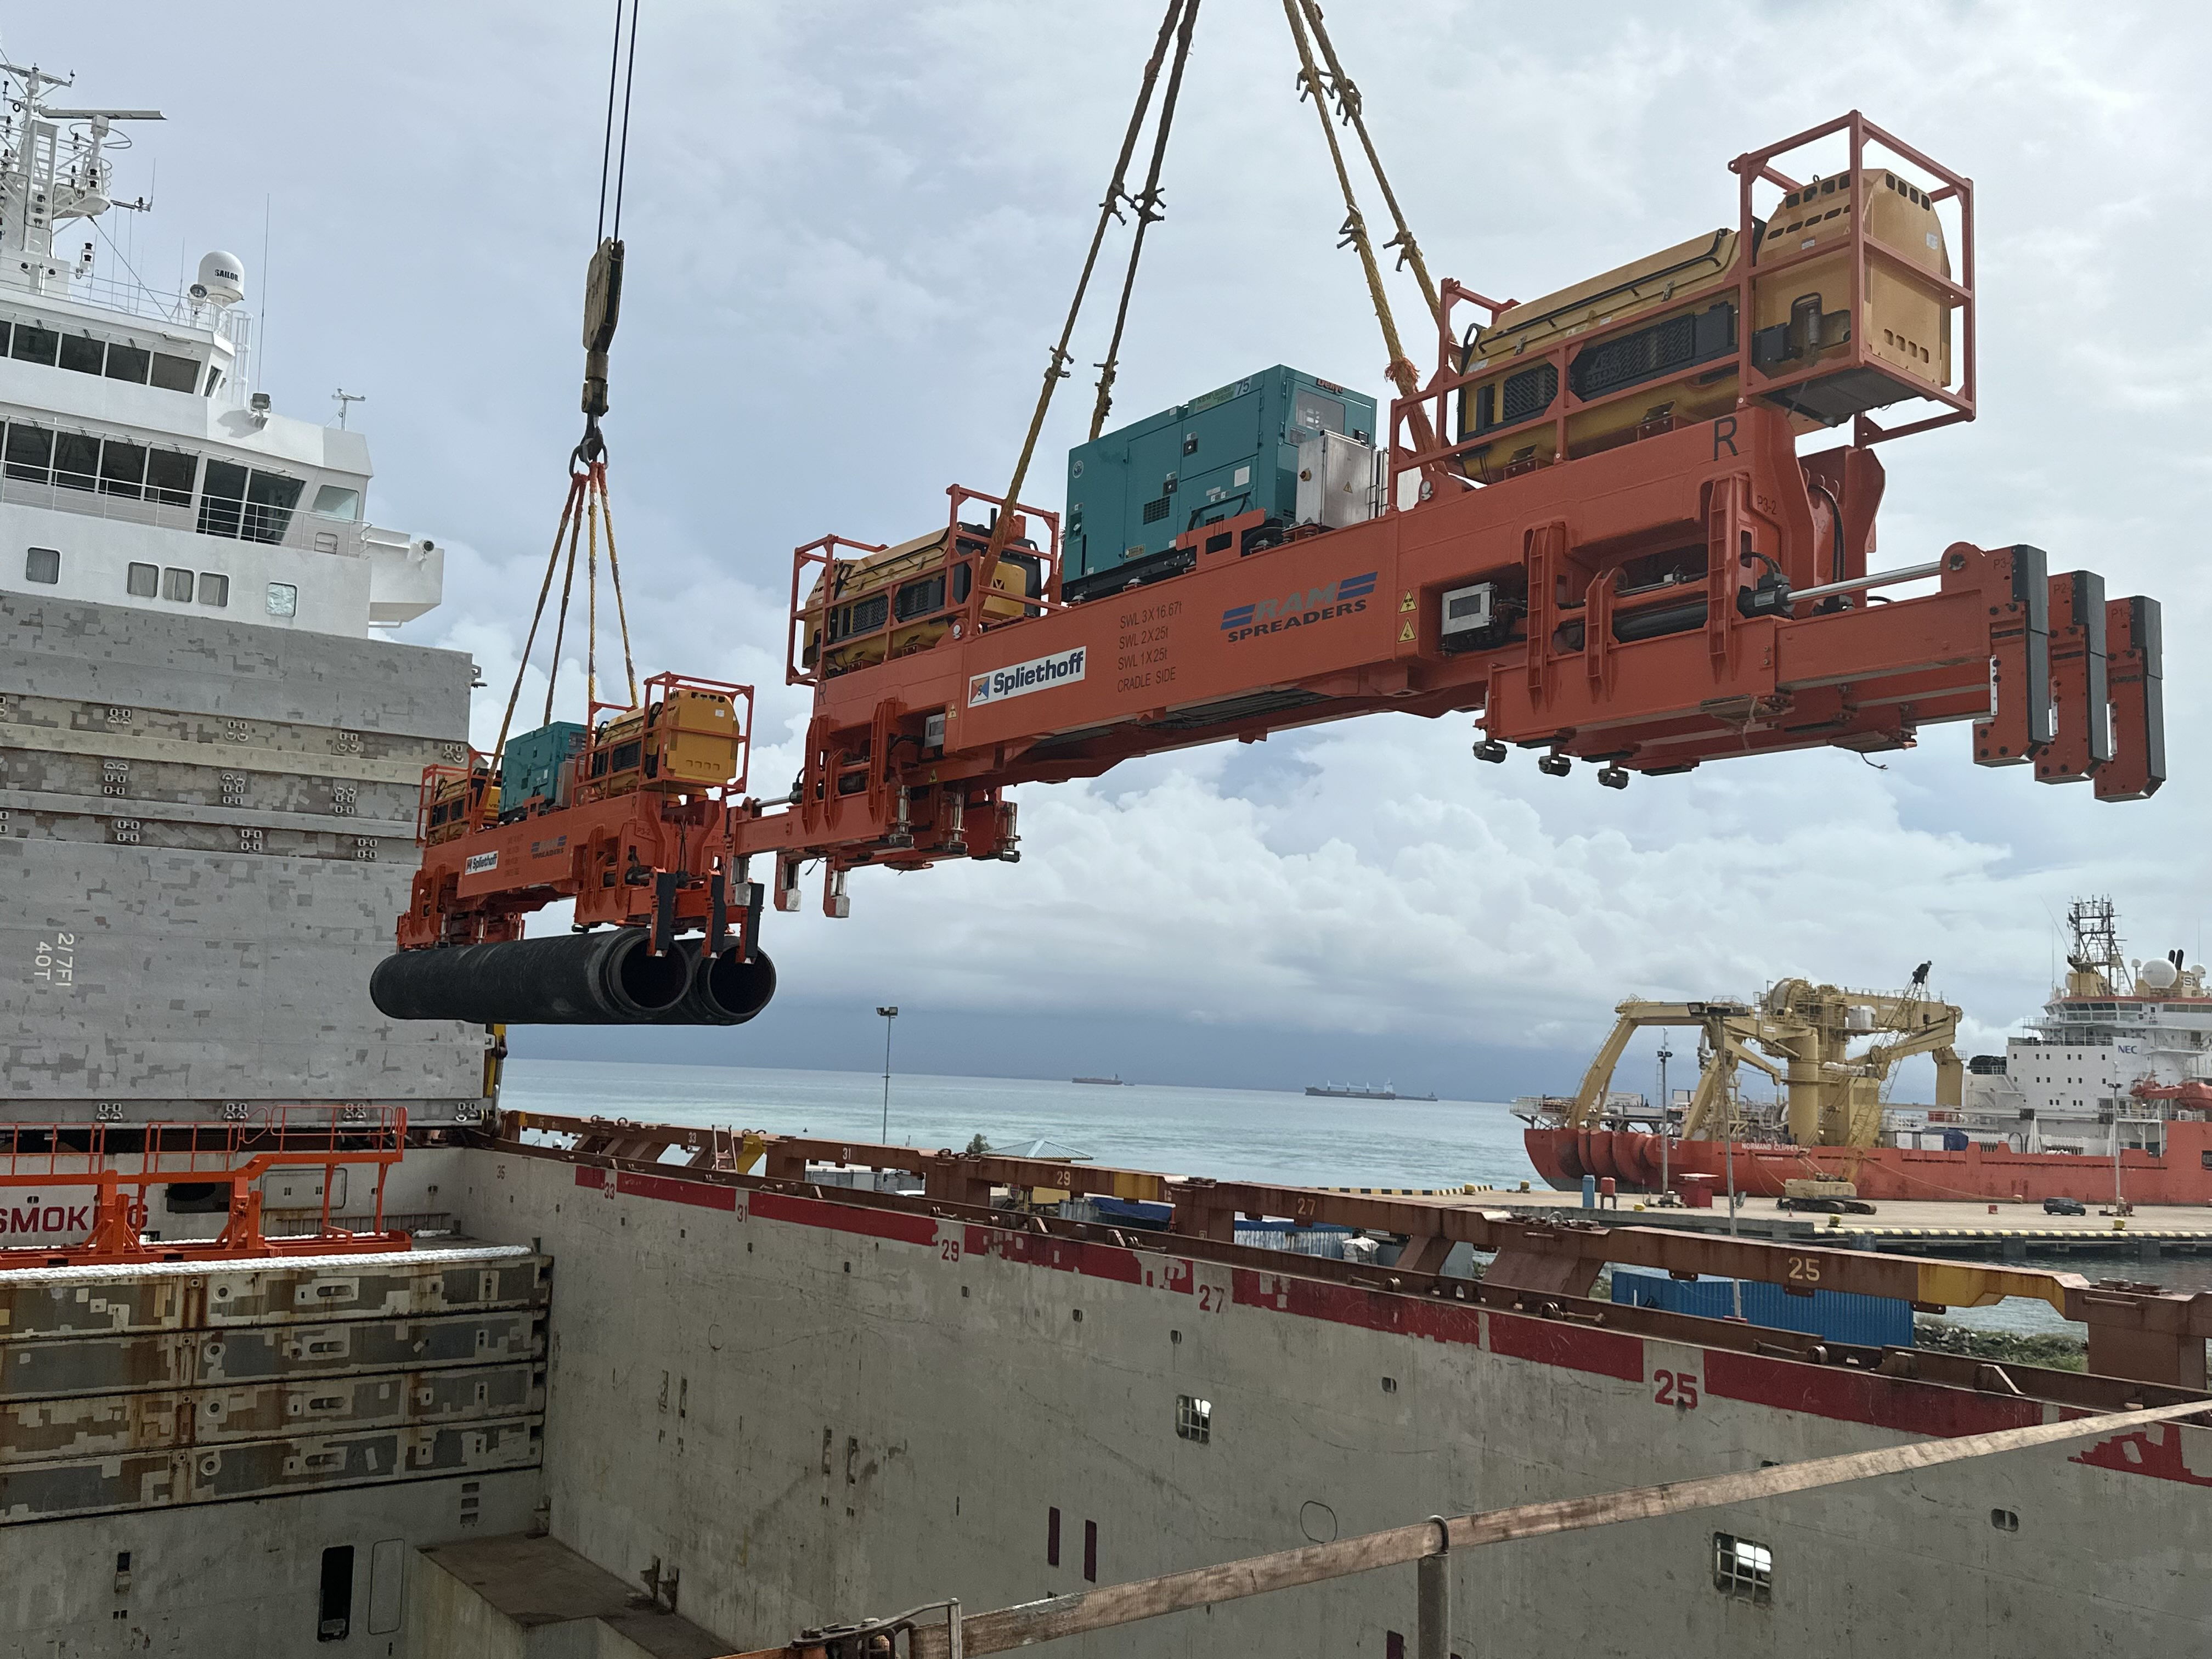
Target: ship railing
[[136, 299], [261, 1141], [161, 1152], [298, 528]]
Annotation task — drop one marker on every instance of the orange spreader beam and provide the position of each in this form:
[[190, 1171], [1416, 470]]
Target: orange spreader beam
[[1685, 591]]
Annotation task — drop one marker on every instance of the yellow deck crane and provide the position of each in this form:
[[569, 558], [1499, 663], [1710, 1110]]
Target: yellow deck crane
[[1800, 1034]]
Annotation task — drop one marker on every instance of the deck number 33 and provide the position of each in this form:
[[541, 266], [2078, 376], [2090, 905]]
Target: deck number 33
[[1678, 1388]]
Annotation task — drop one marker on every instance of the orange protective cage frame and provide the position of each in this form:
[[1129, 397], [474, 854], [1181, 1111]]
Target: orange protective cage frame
[[1864, 253], [964, 545], [236, 1153], [741, 701], [478, 772]]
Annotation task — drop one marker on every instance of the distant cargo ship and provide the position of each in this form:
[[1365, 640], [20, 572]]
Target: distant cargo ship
[[1111, 1082], [2116, 1068], [1359, 1091]]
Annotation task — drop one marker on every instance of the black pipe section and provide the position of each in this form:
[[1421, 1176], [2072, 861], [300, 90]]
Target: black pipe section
[[608, 977], [724, 988]]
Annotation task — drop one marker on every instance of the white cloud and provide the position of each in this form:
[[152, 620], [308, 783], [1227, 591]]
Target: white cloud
[[852, 229]]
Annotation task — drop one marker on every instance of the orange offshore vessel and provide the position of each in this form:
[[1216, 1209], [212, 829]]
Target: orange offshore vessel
[[2115, 1072]]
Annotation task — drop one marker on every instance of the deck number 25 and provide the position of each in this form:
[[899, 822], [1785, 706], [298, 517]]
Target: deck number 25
[[1678, 1388]]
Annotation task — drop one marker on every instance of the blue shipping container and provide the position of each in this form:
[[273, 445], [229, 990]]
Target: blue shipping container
[[1870, 1322]]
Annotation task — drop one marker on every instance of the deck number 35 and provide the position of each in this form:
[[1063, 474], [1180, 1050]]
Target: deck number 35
[[1675, 1389]]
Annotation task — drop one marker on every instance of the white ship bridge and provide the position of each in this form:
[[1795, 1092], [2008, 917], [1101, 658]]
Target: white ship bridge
[[137, 466]]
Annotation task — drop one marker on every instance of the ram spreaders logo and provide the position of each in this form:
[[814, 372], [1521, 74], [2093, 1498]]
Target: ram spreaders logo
[[1019, 679], [1300, 608]]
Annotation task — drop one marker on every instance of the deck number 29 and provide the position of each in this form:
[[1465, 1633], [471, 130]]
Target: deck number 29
[[1677, 1388]]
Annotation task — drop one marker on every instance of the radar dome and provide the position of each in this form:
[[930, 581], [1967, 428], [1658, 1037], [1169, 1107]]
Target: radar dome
[[2157, 975], [222, 279]]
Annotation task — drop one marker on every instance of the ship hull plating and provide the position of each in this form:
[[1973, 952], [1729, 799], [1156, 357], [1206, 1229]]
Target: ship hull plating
[[206, 827], [2182, 1174], [817, 1410]]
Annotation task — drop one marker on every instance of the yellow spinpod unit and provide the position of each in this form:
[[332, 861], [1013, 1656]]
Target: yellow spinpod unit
[[698, 737], [1802, 314], [1841, 300], [688, 736], [454, 802], [904, 598]]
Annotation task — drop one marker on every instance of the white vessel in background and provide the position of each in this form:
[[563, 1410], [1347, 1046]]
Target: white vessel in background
[[2119, 1043], [141, 469]]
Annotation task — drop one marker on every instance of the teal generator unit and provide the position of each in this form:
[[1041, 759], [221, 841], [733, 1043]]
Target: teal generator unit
[[529, 765], [1235, 450]]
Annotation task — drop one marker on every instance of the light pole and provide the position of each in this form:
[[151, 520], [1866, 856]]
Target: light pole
[[889, 1014], [1727, 1152], [1666, 1117]]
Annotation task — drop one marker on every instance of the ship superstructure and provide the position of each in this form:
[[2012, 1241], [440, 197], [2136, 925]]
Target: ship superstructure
[[2117, 1043], [210, 748]]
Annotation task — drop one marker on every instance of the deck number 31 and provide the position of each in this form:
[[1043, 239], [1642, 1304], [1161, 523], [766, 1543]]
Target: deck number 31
[[1678, 1388]]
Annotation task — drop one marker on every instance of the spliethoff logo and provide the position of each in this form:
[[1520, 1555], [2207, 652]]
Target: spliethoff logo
[[477, 863], [1302, 608], [1019, 679]]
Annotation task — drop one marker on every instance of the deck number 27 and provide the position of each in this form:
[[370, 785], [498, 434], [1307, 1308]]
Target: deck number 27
[[1678, 1388]]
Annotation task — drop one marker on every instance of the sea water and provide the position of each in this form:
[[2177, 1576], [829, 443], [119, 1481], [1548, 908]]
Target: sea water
[[1248, 1135]]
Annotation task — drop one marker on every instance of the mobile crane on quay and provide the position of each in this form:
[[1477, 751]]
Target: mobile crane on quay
[[1589, 528]]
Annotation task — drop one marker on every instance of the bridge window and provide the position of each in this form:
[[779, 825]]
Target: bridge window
[[338, 501], [177, 585], [215, 588], [77, 460], [222, 498], [143, 582], [254, 507], [270, 499], [30, 453], [33, 344], [122, 469], [175, 373], [169, 476], [43, 564], [127, 362], [283, 599], [80, 354]]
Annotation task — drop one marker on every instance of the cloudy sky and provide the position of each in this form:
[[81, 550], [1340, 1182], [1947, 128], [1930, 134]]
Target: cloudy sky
[[852, 228]]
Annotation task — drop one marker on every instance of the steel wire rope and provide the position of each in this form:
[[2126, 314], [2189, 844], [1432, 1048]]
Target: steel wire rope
[[588, 468], [1351, 108], [592, 602], [1354, 230], [1055, 371], [537, 616], [1147, 206], [608, 156], [614, 578], [561, 628]]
